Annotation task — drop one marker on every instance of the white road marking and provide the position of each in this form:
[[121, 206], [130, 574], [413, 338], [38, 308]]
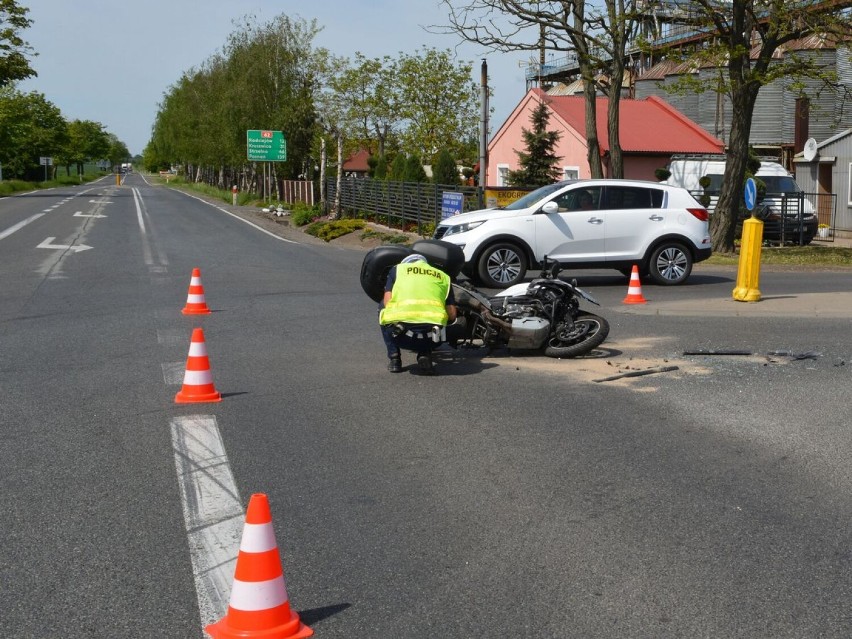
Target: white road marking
[[262, 230], [171, 336], [173, 372], [46, 244], [147, 253], [212, 510], [81, 214], [19, 225]]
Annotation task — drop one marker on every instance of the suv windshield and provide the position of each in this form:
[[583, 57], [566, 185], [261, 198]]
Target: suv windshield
[[779, 184], [534, 197], [774, 183]]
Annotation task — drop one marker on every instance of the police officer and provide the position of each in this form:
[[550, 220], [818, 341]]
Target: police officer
[[417, 304]]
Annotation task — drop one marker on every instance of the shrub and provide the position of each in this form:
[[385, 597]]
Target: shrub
[[386, 238], [301, 214], [336, 228], [444, 169], [662, 174]]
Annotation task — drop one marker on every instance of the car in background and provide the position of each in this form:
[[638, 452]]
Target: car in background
[[604, 223], [790, 216]]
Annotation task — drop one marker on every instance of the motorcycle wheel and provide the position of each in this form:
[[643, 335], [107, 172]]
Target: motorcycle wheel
[[589, 332]]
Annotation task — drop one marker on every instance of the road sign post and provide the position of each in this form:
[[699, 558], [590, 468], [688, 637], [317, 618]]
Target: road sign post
[[46, 162]]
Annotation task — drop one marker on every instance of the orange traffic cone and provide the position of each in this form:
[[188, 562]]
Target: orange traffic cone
[[198, 380], [634, 290], [259, 606], [195, 304]]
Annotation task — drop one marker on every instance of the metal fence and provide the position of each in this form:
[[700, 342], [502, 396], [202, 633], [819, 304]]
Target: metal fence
[[410, 206], [791, 208]]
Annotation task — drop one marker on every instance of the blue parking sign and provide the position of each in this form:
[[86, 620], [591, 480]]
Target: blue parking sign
[[750, 194], [451, 204]]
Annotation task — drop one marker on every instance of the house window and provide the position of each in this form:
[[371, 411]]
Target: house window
[[502, 174], [570, 172], [849, 199]]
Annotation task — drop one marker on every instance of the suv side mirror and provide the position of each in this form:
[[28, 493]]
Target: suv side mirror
[[550, 207]]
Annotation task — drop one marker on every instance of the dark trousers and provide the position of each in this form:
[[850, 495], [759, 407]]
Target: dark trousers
[[420, 345]]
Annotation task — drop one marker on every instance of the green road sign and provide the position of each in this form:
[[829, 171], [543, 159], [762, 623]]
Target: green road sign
[[266, 146]]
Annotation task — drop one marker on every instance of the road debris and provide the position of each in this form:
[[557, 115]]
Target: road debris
[[715, 352], [795, 356], [638, 373]]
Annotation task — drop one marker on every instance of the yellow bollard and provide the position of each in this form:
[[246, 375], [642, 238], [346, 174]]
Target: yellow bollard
[[118, 179], [748, 275]]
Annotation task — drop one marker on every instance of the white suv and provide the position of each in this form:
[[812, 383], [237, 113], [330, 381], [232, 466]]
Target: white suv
[[585, 224]]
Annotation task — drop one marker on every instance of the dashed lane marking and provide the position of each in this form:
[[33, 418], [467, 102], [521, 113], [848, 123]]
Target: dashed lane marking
[[212, 510]]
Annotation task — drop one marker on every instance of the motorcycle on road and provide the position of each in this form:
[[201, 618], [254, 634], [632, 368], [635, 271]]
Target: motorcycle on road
[[542, 315]]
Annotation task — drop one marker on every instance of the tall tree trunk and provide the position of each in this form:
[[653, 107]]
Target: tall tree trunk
[[744, 90], [593, 146], [335, 211], [724, 219], [616, 159], [323, 162]]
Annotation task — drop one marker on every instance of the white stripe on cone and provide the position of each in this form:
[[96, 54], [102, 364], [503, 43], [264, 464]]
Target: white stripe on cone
[[197, 378], [258, 595], [197, 349], [258, 538]]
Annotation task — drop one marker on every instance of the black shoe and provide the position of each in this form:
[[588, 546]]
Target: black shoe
[[424, 362], [395, 365]]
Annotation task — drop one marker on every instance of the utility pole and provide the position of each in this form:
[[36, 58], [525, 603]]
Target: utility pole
[[483, 141]]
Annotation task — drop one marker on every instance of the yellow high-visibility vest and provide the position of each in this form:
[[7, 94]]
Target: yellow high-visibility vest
[[419, 296]]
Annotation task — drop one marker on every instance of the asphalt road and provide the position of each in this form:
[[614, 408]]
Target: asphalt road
[[511, 495]]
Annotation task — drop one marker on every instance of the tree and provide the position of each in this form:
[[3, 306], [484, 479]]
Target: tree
[[438, 101], [118, 151], [538, 163], [380, 168], [444, 169], [397, 168], [30, 127], [596, 38], [86, 141], [372, 100], [748, 38], [13, 49], [414, 170]]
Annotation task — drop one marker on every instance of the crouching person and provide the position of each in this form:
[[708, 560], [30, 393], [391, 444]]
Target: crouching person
[[418, 302]]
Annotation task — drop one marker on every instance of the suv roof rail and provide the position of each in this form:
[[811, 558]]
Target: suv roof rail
[[718, 157], [699, 156]]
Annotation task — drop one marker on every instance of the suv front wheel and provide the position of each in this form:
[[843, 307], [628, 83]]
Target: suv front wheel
[[501, 265], [670, 263]]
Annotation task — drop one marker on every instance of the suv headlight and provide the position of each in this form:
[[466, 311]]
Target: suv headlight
[[462, 228]]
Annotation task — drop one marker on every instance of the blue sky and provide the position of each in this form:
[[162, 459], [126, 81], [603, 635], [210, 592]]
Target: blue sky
[[111, 62]]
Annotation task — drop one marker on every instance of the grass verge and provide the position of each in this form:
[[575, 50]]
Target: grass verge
[[811, 255]]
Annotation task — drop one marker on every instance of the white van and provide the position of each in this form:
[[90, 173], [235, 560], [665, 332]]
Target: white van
[[782, 194]]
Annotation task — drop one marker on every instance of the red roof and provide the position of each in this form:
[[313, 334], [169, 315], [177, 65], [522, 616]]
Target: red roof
[[357, 161], [650, 125]]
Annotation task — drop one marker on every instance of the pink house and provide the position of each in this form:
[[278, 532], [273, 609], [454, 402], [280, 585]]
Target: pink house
[[651, 131]]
